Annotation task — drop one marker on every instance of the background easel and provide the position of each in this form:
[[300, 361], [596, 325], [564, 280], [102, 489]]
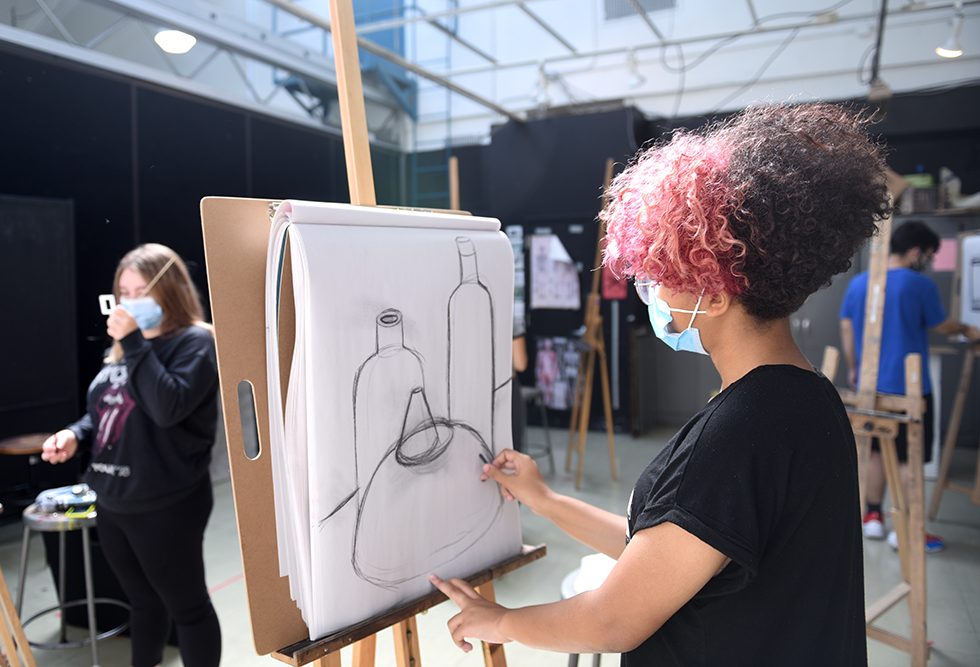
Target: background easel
[[594, 350], [970, 356], [952, 433], [236, 235], [15, 651], [879, 415]]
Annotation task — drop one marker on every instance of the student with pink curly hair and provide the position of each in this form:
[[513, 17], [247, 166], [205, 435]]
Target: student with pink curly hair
[[742, 539]]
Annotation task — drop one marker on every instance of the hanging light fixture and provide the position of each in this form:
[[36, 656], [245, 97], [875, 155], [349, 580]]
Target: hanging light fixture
[[175, 41], [951, 48]]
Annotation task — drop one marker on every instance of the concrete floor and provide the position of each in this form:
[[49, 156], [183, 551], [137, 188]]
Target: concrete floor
[[953, 577]]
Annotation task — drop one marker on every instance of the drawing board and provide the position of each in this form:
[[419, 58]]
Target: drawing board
[[398, 389], [967, 285]]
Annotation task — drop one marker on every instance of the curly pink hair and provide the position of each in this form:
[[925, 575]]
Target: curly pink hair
[[667, 217]]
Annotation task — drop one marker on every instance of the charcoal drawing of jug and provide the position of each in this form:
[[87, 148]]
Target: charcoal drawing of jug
[[411, 465]]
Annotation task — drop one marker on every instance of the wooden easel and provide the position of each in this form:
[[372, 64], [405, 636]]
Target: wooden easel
[[236, 235], [952, 433], [962, 394], [15, 651], [594, 350], [879, 415]]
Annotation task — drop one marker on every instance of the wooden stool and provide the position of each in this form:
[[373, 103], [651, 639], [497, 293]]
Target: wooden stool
[[24, 445]]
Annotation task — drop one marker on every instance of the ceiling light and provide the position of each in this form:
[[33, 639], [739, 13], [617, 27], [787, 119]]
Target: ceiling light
[[951, 47], [175, 41], [879, 91]]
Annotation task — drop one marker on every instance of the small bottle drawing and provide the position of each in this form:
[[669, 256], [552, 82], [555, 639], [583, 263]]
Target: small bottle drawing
[[383, 387]]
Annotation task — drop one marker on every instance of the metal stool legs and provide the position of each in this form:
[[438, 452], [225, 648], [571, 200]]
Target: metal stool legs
[[89, 594], [25, 547]]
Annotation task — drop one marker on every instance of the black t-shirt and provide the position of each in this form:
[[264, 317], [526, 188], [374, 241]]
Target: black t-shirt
[[766, 474], [151, 421]]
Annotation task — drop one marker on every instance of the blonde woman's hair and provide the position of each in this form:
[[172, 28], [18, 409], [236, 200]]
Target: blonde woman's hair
[[173, 289]]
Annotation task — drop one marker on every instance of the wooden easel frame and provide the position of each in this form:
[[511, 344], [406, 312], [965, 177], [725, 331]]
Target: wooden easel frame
[[594, 344], [236, 233], [15, 650], [970, 357], [879, 415]]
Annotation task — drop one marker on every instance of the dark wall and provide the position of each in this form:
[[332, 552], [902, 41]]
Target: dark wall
[[547, 174], [135, 161]]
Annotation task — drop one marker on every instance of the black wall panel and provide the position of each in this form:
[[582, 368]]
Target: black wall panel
[[186, 150], [66, 134]]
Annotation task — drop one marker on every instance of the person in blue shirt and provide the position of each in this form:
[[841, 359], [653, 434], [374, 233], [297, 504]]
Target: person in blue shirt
[[913, 307]]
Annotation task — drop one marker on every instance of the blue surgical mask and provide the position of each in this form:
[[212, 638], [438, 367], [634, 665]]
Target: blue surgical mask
[[145, 310], [660, 317]]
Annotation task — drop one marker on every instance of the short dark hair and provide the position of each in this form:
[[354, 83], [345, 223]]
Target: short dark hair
[[913, 234], [767, 206]]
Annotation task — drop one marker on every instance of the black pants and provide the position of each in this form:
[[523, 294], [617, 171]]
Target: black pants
[[159, 559]]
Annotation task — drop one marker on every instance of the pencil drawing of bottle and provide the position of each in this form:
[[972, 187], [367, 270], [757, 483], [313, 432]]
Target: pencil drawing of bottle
[[382, 388], [471, 349], [410, 467]]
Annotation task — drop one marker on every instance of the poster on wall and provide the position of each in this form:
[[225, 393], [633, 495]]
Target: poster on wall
[[515, 233], [398, 387], [969, 284], [555, 370], [554, 276]]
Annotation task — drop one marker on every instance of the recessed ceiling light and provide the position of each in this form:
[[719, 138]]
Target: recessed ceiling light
[[175, 41]]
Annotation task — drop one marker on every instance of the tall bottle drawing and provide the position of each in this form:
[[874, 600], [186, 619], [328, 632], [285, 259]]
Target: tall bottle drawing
[[470, 367]]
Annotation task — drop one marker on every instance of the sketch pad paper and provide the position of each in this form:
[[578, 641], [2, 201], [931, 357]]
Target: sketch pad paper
[[399, 382]]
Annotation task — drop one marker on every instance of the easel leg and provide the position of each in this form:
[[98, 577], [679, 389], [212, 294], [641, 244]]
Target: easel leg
[[364, 651], [329, 660], [493, 654], [952, 433], [607, 406], [12, 631], [863, 456], [896, 491], [576, 406], [583, 416], [915, 511], [407, 643]]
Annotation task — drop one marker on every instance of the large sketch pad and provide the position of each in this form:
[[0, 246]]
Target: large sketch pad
[[399, 382]]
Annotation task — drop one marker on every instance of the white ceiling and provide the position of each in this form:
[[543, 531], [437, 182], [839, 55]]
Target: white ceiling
[[523, 56]]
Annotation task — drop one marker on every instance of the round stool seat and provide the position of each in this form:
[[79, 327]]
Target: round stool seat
[[22, 445], [57, 522]]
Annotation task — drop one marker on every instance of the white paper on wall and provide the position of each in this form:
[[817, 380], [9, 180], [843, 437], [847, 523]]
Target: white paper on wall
[[399, 382], [970, 280], [554, 276]]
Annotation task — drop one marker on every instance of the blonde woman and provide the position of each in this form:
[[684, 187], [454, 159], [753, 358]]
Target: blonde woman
[[149, 428]]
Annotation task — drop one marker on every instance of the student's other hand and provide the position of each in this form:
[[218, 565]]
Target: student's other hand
[[478, 618], [120, 323], [59, 447], [518, 477], [973, 333]]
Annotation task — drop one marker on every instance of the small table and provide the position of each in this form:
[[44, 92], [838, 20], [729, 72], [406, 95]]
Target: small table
[[63, 523]]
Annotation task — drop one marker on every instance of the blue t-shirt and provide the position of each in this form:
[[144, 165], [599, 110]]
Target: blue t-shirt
[[912, 307]]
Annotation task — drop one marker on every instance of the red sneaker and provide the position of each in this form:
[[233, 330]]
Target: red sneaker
[[874, 526]]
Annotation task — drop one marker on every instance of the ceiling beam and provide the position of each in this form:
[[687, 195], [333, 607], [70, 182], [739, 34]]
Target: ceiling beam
[[388, 24], [905, 10], [642, 13], [391, 56], [212, 33], [545, 26]]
